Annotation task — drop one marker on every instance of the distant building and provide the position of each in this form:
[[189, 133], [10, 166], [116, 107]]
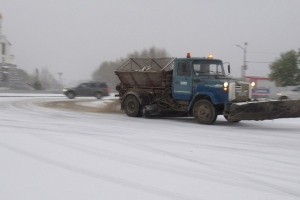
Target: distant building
[[260, 82], [8, 69]]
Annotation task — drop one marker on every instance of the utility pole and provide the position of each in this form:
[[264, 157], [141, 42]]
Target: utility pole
[[244, 67]]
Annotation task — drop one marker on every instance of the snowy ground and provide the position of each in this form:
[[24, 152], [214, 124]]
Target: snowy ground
[[59, 154]]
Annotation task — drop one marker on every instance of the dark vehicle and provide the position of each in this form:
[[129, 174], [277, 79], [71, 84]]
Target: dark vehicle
[[96, 89]]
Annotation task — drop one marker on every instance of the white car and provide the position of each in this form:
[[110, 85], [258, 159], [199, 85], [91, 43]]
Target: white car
[[293, 94]]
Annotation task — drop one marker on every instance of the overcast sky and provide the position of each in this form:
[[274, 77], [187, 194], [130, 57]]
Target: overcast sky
[[76, 36]]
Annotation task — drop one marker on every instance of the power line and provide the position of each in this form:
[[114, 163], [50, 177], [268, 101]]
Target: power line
[[257, 62], [262, 52], [264, 74]]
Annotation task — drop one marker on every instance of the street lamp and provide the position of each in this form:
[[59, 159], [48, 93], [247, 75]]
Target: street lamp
[[244, 67]]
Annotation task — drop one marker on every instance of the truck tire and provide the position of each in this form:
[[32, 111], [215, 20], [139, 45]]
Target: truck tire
[[132, 106], [70, 95], [204, 112]]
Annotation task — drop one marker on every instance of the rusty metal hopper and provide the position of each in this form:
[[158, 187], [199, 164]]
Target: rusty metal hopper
[[141, 72]]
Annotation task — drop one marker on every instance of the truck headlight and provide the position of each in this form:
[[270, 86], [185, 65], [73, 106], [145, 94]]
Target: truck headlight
[[225, 86], [64, 90]]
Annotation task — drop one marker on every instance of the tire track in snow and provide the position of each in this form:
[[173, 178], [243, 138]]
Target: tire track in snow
[[159, 151], [239, 175], [101, 176]]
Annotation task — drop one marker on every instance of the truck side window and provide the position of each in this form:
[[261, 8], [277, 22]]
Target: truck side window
[[196, 69], [183, 69], [202, 69]]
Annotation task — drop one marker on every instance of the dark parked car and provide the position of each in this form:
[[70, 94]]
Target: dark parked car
[[96, 89]]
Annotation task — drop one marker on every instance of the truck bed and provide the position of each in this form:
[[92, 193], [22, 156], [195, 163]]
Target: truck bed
[[146, 73]]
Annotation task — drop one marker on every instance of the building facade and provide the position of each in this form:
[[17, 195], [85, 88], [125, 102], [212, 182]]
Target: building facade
[[8, 68]]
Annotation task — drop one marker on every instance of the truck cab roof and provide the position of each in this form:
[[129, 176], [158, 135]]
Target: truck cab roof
[[198, 58]]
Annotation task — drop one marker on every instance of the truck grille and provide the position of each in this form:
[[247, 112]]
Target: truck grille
[[238, 88], [239, 92]]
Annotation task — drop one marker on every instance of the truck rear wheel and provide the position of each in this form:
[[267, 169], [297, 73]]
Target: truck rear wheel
[[132, 106], [204, 112]]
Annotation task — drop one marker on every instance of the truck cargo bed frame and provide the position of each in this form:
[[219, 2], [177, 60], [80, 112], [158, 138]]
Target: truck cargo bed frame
[[145, 72]]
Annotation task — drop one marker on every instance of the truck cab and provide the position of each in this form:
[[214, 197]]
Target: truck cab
[[199, 76]]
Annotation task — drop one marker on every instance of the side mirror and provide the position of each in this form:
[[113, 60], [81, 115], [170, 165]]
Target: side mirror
[[229, 69]]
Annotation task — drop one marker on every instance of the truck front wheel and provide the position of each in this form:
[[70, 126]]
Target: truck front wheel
[[204, 112], [132, 106]]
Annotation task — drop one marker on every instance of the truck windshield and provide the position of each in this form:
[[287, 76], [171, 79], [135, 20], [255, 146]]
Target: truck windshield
[[208, 68]]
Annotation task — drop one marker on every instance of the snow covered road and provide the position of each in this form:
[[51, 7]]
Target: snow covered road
[[61, 154]]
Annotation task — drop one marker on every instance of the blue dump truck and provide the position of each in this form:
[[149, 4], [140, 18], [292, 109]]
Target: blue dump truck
[[196, 87]]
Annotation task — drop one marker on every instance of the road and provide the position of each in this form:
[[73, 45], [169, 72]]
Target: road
[[55, 148]]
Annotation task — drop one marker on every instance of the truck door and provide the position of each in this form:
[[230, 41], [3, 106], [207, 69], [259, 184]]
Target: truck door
[[182, 81]]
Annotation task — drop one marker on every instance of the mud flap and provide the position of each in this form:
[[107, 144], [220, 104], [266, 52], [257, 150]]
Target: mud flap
[[264, 110]]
